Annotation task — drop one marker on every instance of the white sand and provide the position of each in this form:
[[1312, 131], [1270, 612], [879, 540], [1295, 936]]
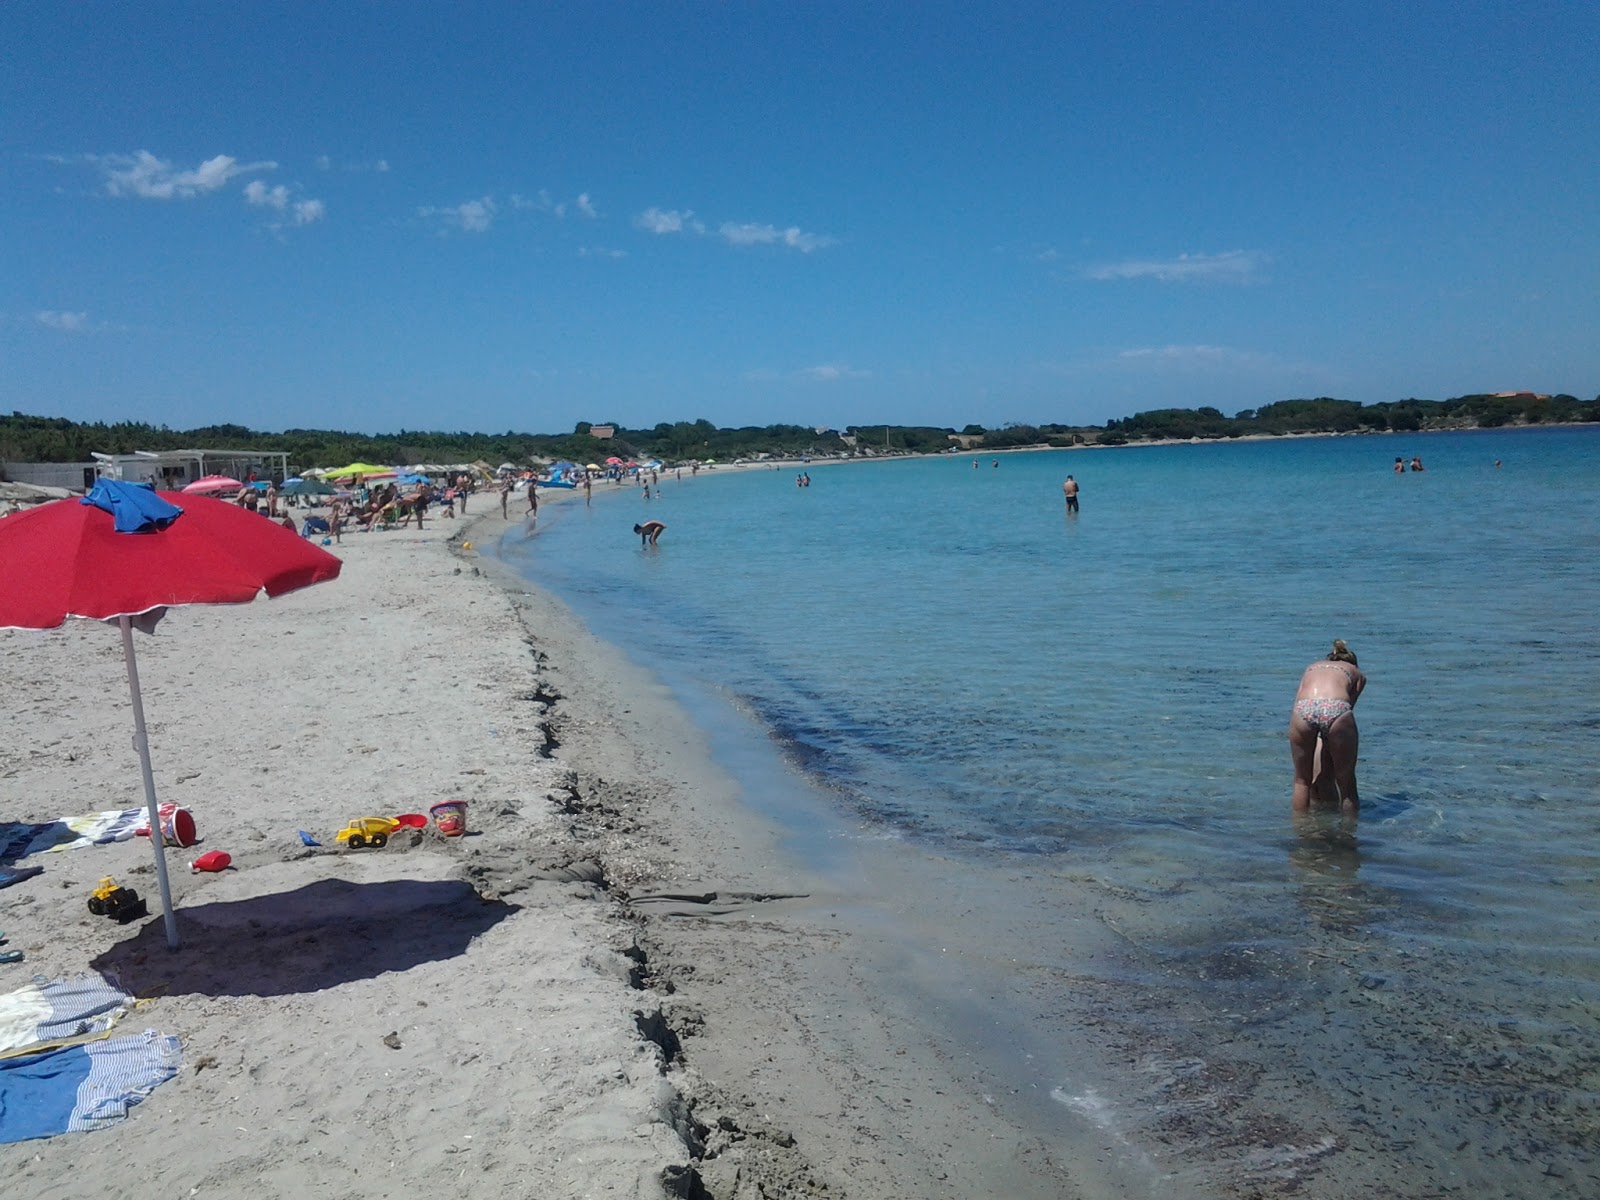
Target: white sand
[[553, 1036]]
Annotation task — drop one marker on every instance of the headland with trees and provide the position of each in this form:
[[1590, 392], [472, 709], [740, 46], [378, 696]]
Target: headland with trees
[[25, 438]]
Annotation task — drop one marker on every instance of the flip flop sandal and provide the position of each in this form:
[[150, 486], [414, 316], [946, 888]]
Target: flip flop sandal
[[11, 956]]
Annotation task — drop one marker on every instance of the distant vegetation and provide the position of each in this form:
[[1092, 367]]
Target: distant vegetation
[[55, 439]]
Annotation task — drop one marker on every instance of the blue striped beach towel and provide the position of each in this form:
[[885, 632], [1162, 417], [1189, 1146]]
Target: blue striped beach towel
[[60, 1073]]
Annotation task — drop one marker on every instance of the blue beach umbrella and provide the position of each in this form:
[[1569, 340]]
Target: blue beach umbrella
[[305, 487]]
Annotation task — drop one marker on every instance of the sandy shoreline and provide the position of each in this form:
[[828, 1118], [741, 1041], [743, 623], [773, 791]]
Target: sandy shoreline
[[554, 1006]]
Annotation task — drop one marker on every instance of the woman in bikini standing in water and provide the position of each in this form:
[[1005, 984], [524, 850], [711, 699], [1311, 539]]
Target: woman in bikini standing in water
[[1324, 708]]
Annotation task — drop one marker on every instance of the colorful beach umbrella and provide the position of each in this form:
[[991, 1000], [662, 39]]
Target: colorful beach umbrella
[[305, 487], [126, 553], [209, 485], [365, 470]]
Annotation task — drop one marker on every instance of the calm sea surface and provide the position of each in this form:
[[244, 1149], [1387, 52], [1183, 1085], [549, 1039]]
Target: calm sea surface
[[1408, 1004]]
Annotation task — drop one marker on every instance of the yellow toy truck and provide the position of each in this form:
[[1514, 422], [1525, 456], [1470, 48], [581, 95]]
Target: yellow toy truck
[[367, 831], [112, 900]]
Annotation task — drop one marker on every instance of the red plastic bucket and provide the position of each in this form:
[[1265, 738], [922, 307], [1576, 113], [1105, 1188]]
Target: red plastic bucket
[[450, 817], [177, 826]]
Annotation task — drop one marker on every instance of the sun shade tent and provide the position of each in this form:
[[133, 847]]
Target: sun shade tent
[[212, 484], [126, 553]]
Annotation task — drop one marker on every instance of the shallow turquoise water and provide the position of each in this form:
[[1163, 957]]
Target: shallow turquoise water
[[1103, 699]]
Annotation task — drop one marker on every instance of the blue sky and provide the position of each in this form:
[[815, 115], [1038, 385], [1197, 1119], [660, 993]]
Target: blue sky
[[497, 217]]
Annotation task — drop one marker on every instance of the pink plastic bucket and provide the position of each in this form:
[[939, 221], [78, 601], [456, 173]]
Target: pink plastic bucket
[[450, 817]]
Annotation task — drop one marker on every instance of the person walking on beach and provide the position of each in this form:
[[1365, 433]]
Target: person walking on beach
[[1323, 739], [533, 498], [588, 491], [1069, 489], [505, 496], [649, 532]]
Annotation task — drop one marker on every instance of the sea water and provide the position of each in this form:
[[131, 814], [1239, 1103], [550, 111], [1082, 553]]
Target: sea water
[[1097, 704]]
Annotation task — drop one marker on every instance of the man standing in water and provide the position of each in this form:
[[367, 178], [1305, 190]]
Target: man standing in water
[[1069, 489]]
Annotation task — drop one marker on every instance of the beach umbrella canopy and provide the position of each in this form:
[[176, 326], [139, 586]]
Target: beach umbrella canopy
[[613, 459], [210, 484], [305, 487], [590, 467], [369, 470], [127, 553]]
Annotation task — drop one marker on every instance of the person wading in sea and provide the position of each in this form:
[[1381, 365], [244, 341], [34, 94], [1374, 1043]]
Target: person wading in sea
[[1323, 739]]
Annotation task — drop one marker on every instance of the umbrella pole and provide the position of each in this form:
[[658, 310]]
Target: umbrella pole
[[141, 742]]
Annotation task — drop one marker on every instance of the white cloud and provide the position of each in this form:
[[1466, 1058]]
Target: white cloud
[[768, 235], [1235, 266], [66, 322], [734, 233], [326, 163], [832, 373], [151, 178], [472, 216], [545, 203], [600, 252], [821, 373], [258, 193], [655, 220], [279, 199]]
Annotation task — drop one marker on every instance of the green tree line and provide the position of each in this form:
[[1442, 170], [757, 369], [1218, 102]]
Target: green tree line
[[25, 438]]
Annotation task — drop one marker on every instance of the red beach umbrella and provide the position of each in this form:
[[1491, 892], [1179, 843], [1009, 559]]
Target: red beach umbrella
[[125, 551], [210, 484]]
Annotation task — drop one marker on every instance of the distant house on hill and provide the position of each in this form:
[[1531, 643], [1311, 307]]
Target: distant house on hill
[[603, 432]]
